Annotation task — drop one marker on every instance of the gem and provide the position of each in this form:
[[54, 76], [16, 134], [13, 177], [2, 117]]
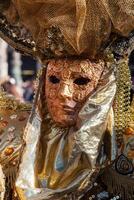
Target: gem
[[9, 151], [11, 129]]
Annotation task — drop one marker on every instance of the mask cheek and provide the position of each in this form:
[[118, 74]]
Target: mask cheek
[[80, 95], [51, 92], [82, 92]]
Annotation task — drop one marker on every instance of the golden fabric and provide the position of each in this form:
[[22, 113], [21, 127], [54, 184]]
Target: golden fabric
[[85, 24], [58, 161], [13, 119]]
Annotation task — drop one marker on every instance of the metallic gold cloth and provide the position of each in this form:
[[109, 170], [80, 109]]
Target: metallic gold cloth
[[2, 184], [85, 24], [58, 161]]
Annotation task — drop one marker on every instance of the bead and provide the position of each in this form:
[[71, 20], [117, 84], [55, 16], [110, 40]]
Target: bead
[[14, 163], [95, 184], [117, 197], [34, 49], [9, 151]]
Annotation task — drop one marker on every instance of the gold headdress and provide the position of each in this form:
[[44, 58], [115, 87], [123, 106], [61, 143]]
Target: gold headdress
[[65, 28]]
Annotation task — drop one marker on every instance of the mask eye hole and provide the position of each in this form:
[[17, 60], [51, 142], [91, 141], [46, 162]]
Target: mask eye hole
[[54, 79], [81, 81]]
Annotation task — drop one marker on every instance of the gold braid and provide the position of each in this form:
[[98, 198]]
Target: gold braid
[[122, 100]]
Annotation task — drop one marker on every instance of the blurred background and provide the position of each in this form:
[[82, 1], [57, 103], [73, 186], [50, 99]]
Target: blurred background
[[18, 73]]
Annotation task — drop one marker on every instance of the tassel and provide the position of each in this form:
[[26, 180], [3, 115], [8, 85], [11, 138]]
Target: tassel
[[118, 184], [2, 184], [10, 173]]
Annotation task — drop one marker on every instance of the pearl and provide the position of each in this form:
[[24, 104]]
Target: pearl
[[95, 184], [117, 197]]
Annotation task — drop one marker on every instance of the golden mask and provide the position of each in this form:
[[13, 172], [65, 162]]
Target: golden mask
[[68, 84]]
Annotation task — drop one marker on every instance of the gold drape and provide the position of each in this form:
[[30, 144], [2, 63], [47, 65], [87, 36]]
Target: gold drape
[[58, 161]]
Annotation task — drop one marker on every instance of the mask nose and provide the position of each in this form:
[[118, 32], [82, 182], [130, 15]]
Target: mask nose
[[65, 91]]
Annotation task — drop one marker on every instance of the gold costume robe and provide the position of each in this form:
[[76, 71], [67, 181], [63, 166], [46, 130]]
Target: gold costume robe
[[64, 164], [13, 119]]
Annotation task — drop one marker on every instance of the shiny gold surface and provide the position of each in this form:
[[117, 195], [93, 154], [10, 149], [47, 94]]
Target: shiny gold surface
[[13, 119], [85, 24], [68, 85], [122, 101], [56, 160]]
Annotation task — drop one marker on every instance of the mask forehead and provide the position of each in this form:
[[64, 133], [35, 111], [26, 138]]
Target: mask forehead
[[67, 68]]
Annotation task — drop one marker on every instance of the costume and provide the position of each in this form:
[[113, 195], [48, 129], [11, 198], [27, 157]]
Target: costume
[[79, 136]]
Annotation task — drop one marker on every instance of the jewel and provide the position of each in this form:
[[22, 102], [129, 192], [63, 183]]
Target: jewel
[[9, 151]]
